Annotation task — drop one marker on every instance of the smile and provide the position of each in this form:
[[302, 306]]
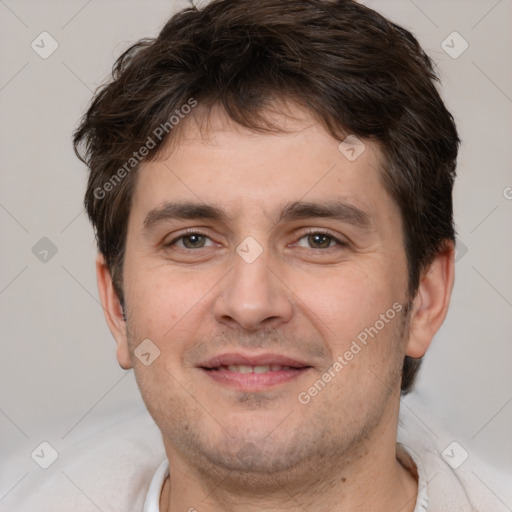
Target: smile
[[242, 368], [254, 378]]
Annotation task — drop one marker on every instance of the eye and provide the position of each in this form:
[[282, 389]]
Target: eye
[[320, 240], [191, 240], [312, 240]]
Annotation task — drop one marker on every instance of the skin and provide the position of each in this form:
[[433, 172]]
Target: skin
[[238, 450]]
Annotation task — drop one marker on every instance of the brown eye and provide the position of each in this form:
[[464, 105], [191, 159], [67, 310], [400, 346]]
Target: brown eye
[[320, 240], [190, 241], [194, 240]]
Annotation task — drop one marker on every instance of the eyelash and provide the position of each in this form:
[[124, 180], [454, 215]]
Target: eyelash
[[341, 243]]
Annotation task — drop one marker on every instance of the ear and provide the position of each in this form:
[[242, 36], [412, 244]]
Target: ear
[[113, 312], [430, 305]]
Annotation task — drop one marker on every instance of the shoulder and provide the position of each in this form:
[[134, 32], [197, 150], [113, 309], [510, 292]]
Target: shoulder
[[447, 470], [110, 470]]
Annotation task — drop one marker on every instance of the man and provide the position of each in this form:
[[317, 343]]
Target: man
[[271, 191]]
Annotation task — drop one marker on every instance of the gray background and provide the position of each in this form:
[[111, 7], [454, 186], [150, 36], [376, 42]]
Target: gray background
[[59, 379]]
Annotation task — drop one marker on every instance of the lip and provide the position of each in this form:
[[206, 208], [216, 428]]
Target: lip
[[233, 358], [253, 381]]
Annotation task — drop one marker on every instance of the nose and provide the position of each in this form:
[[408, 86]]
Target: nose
[[253, 296]]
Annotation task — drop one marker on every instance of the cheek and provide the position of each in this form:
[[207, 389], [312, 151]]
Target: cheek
[[167, 396], [358, 313], [345, 302], [161, 299]]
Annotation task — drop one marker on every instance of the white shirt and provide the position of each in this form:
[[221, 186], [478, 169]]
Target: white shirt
[[152, 503], [122, 468]]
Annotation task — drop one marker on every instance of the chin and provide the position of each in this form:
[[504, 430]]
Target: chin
[[261, 457]]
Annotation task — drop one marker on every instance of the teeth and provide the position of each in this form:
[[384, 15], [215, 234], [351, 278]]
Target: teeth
[[241, 368], [261, 369]]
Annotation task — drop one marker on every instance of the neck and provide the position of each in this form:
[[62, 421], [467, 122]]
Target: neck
[[369, 478]]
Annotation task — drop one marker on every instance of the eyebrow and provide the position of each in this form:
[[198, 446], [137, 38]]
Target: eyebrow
[[296, 210]]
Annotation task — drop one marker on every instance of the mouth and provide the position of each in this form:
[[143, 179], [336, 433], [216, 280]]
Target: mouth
[[253, 372], [244, 368]]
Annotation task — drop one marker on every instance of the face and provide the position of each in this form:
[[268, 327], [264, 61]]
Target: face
[[269, 274]]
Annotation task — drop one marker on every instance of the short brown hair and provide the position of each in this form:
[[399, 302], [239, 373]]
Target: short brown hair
[[357, 72]]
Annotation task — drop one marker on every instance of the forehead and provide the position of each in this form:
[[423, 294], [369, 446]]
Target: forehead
[[213, 160]]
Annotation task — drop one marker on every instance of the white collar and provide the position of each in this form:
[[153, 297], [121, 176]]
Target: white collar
[[152, 502]]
